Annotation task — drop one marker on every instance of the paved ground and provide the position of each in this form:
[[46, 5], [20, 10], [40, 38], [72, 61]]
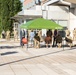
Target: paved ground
[[15, 60]]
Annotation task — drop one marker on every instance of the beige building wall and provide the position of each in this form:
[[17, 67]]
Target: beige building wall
[[58, 12], [72, 1], [72, 20]]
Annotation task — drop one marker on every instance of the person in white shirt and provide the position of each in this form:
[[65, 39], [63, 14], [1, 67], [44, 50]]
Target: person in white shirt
[[31, 36]]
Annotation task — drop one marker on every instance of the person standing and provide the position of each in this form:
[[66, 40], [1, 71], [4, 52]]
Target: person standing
[[54, 37], [31, 36], [22, 35], [48, 38], [67, 31], [3, 34], [40, 35], [15, 35], [59, 40], [74, 34], [37, 41], [49, 33], [69, 40], [8, 35]]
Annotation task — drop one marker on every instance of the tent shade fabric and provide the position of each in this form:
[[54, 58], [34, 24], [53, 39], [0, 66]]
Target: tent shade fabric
[[41, 23]]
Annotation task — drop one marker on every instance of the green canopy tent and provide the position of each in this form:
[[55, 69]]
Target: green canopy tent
[[41, 23]]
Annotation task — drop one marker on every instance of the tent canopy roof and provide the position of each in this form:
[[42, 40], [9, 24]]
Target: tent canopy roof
[[41, 23]]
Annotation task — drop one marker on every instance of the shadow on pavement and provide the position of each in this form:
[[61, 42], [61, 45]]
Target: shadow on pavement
[[35, 57], [7, 53], [8, 47], [73, 48]]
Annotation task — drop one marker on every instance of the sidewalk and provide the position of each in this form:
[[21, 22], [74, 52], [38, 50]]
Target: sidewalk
[[15, 60]]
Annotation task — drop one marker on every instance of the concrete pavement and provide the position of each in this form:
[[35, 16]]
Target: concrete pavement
[[15, 60]]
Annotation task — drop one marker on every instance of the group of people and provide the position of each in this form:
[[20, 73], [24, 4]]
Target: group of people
[[69, 39], [32, 37], [36, 38], [6, 35], [57, 38], [54, 37]]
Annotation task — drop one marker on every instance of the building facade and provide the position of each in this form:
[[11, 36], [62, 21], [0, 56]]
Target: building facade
[[60, 11]]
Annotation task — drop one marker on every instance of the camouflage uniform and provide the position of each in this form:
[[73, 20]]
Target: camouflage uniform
[[8, 35], [15, 35], [69, 40], [40, 35], [74, 34], [67, 32]]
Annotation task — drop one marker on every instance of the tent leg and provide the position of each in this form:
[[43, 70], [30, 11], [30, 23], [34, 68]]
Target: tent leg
[[63, 43], [27, 40]]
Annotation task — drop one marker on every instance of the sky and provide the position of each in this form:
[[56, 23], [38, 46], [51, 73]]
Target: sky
[[22, 0]]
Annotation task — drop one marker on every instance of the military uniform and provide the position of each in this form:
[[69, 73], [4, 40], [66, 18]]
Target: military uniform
[[67, 32], [74, 34], [69, 40], [15, 35], [40, 35], [36, 41], [8, 35]]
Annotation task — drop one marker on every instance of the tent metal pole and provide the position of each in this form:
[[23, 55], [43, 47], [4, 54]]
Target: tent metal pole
[[63, 42], [27, 40]]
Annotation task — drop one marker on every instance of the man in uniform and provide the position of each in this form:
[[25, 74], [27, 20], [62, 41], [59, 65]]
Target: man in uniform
[[67, 32], [74, 34], [8, 35], [15, 35]]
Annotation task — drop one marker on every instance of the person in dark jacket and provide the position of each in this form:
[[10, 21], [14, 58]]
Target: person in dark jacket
[[49, 33], [21, 44], [48, 40], [59, 40], [54, 37], [22, 35]]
